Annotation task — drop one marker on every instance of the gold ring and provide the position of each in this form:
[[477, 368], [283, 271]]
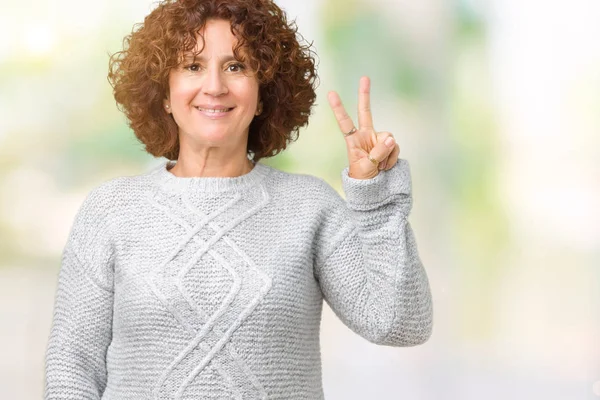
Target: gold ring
[[374, 161], [351, 132]]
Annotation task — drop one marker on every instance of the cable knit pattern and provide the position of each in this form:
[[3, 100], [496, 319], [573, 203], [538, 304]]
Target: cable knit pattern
[[212, 287]]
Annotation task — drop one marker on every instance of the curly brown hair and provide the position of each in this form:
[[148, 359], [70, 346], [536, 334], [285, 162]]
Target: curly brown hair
[[285, 68]]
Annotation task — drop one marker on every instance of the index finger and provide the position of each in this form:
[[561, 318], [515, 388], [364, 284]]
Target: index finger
[[344, 121], [365, 119]]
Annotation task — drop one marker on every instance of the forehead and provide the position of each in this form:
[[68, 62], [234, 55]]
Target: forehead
[[216, 33], [216, 37]]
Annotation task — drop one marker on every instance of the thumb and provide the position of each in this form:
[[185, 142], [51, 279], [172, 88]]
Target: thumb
[[383, 149]]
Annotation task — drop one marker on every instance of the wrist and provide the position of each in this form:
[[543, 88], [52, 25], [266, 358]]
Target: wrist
[[356, 175]]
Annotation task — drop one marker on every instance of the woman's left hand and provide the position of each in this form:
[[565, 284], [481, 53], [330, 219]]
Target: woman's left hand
[[368, 151]]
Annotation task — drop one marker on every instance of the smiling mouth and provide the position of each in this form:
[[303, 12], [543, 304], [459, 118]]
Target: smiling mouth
[[214, 111]]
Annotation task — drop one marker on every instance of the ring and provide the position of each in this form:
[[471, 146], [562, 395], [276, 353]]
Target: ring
[[374, 161], [351, 132]]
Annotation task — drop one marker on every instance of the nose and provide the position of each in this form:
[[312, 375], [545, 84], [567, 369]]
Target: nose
[[214, 82]]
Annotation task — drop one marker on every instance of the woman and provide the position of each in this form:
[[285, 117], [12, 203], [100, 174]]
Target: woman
[[205, 278]]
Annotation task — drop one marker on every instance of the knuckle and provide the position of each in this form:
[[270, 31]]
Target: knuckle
[[381, 136]]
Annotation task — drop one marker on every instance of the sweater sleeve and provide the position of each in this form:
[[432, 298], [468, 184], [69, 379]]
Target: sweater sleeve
[[367, 263], [81, 331]]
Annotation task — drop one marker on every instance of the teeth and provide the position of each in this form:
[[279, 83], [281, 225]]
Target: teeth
[[213, 111]]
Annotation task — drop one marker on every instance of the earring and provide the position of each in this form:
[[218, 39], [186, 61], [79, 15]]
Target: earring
[[260, 109], [166, 106]]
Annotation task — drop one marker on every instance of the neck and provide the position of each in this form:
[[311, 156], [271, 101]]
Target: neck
[[200, 168]]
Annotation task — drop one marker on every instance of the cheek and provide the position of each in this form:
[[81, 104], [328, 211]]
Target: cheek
[[180, 90], [182, 94], [251, 101], [248, 93]]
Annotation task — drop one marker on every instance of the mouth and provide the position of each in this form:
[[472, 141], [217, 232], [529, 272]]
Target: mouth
[[214, 110], [214, 113]]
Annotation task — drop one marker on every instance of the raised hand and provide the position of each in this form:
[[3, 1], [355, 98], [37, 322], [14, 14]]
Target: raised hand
[[368, 151]]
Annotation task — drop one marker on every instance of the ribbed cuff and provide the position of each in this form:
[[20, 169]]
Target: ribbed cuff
[[366, 194]]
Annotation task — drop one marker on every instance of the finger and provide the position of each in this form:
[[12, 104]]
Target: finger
[[365, 119], [382, 136], [382, 151], [393, 157], [344, 121]]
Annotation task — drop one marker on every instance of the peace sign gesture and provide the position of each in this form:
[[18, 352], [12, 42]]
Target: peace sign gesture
[[368, 151]]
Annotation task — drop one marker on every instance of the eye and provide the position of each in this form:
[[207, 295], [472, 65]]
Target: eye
[[236, 67], [193, 67]]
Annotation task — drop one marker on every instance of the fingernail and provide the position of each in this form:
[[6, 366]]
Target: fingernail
[[389, 142], [382, 166]]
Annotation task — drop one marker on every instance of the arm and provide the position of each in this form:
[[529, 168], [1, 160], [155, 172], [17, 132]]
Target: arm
[[81, 331], [367, 262]]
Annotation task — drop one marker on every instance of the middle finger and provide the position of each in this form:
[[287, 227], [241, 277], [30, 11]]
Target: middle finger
[[365, 118]]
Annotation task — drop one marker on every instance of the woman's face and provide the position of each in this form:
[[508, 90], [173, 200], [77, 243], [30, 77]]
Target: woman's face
[[214, 97]]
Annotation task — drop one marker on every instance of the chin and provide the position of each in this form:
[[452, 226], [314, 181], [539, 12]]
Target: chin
[[214, 136]]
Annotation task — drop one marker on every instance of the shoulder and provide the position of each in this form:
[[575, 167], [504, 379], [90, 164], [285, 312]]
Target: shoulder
[[106, 195], [91, 234], [303, 186], [106, 204], [121, 191]]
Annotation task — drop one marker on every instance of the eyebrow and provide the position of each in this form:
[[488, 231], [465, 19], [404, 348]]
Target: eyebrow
[[201, 58]]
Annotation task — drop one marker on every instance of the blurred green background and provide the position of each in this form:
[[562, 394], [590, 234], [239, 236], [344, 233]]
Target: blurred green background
[[494, 103]]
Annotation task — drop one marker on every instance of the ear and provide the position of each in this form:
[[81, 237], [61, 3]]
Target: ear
[[259, 109], [167, 105]]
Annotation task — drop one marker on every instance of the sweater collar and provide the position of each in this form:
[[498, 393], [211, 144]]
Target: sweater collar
[[173, 183]]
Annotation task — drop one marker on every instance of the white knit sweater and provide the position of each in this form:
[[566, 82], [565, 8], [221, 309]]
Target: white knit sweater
[[212, 287]]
